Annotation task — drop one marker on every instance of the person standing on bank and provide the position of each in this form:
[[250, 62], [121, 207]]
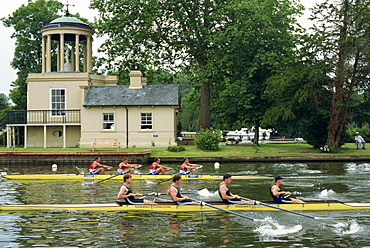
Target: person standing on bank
[[125, 193], [280, 196], [97, 168], [359, 140], [174, 192], [226, 195]]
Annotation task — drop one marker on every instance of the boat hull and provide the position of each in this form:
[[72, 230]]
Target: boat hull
[[120, 177], [170, 207]]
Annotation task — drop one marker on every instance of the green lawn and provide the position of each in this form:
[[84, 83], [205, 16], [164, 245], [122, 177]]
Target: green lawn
[[229, 150]]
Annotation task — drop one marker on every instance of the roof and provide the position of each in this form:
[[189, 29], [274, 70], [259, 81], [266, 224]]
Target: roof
[[122, 95], [67, 21]]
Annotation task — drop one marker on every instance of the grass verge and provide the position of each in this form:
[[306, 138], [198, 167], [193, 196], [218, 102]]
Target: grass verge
[[229, 150]]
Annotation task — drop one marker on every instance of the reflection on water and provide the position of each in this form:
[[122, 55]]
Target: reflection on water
[[346, 182]]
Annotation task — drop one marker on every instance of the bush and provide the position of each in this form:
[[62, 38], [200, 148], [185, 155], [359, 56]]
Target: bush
[[208, 140], [176, 148], [352, 129]]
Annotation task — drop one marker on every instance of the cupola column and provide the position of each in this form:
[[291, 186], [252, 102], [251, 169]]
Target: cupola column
[[61, 52], [77, 52], [88, 54], [43, 54], [48, 53]]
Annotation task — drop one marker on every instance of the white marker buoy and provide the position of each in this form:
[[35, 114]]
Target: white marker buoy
[[54, 167], [217, 165]]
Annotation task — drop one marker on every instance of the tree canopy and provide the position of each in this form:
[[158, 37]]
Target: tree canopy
[[27, 21], [323, 80], [195, 35]]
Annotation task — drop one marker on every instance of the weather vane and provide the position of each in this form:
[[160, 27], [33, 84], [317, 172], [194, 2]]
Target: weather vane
[[67, 5]]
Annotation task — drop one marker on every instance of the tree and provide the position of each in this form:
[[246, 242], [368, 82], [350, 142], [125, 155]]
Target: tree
[[187, 33], [329, 71], [166, 33], [342, 41], [4, 106], [27, 21], [262, 36]]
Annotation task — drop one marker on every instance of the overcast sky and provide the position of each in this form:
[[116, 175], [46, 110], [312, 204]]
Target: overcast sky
[[7, 44]]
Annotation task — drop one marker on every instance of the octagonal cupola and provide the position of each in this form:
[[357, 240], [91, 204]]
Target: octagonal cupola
[[67, 46]]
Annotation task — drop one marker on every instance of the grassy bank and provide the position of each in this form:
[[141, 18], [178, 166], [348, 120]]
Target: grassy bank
[[230, 150]]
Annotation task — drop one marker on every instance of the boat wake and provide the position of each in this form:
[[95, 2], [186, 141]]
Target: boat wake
[[327, 194], [355, 168], [349, 227], [206, 193], [270, 228]]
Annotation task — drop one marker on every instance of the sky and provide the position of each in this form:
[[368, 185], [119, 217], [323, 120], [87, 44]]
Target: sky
[[7, 46]]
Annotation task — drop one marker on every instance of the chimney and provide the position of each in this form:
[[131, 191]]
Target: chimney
[[144, 80], [135, 78]]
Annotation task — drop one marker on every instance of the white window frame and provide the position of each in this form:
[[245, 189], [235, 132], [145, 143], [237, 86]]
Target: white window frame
[[108, 122], [146, 121], [58, 105]]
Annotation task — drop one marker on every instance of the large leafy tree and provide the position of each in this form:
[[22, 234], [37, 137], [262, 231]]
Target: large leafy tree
[[27, 21], [332, 66], [263, 34], [4, 106], [343, 39], [195, 34], [166, 33]]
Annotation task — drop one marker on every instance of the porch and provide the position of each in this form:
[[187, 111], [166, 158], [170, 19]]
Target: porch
[[55, 120]]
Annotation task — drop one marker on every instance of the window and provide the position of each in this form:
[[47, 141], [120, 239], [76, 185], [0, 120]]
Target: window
[[146, 121], [57, 133], [108, 121], [58, 102]]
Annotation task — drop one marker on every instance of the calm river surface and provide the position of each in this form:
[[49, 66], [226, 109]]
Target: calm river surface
[[348, 182]]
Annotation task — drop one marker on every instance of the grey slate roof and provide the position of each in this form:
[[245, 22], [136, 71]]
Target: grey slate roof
[[122, 95]]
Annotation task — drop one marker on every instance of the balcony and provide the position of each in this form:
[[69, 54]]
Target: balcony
[[43, 117]]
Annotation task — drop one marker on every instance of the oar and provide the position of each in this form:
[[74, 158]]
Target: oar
[[172, 175], [80, 170], [303, 193], [282, 209], [221, 209], [116, 175], [158, 194]]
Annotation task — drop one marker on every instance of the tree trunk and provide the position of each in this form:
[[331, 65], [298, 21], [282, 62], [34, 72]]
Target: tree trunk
[[338, 109], [205, 98], [204, 115], [256, 134]]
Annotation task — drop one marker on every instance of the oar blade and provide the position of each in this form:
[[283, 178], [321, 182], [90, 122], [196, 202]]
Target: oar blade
[[221, 209], [281, 209]]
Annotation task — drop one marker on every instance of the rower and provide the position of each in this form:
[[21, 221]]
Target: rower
[[97, 168], [177, 197], [187, 168], [125, 193], [280, 196], [155, 168], [124, 167], [226, 195]]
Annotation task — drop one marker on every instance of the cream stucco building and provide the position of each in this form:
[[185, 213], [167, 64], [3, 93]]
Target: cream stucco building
[[68, 106]]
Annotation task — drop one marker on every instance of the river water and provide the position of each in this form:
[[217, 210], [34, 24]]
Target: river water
[[347, 182]]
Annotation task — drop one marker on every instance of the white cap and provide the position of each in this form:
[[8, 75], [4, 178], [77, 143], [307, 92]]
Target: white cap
[[357, 132]]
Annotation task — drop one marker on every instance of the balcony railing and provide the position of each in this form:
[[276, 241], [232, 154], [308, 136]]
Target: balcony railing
[[43, 117]]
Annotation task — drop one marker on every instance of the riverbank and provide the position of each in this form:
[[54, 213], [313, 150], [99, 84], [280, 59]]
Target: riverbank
[[231, 153]]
